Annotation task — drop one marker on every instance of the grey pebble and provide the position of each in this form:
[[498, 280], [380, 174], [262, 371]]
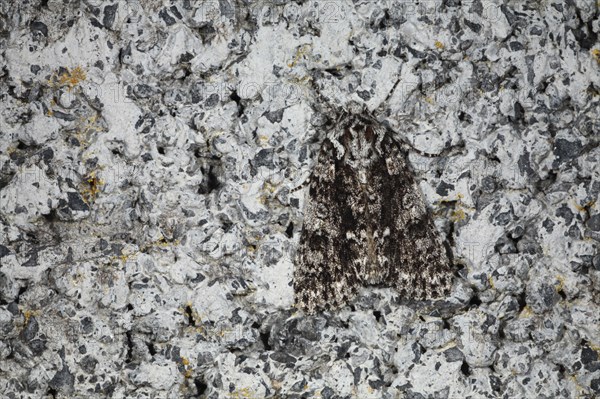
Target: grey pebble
[[6, 321], [38, 26], [169, 20], [4, 251], [594, 222], [109, 15], [63, 381]]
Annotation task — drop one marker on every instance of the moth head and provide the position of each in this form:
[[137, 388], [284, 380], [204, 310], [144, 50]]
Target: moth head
[[356, 108], [354, 113]]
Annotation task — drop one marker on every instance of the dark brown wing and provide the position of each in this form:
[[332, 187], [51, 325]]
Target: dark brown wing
[[410, 250], [326, 263]]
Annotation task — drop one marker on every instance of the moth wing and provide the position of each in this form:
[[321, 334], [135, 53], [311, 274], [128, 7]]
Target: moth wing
[[326, 271], [410, 250]]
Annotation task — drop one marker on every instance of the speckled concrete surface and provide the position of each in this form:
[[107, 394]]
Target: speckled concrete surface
[[150, 158]]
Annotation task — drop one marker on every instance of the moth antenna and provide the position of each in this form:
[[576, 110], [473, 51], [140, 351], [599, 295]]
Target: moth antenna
[[445, 152], [391, 91], [406, 146], [302, 185]]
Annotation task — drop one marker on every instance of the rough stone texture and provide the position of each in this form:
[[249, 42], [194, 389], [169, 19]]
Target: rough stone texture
[[150, 155]]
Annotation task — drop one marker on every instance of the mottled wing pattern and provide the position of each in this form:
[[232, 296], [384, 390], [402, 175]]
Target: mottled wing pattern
[[412, 252], [326, 274], [366, 224]]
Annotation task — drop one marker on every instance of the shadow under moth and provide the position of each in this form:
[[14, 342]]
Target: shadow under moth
[[366, 223]]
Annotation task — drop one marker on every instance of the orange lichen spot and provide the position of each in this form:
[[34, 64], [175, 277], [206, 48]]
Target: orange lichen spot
[[91, 187], [439, 45], [72, 77]]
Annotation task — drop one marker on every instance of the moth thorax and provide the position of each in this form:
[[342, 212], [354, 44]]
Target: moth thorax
[[362, 175]]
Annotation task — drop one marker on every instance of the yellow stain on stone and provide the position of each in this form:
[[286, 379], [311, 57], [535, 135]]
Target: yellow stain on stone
[[196, 317], [458, 215], [91, 187], [28, 314], [560, 283], [301, 52], [123, 258], [50, 112], [86, 126], [224, 331], [242, 393], [586, 206], [596, 54], [526, 312], [72, 77], [90, 125], [439, 45], [159, 243], [69, 79], [270, 188]]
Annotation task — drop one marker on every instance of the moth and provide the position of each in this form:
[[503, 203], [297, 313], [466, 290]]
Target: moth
[[366, 223]]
